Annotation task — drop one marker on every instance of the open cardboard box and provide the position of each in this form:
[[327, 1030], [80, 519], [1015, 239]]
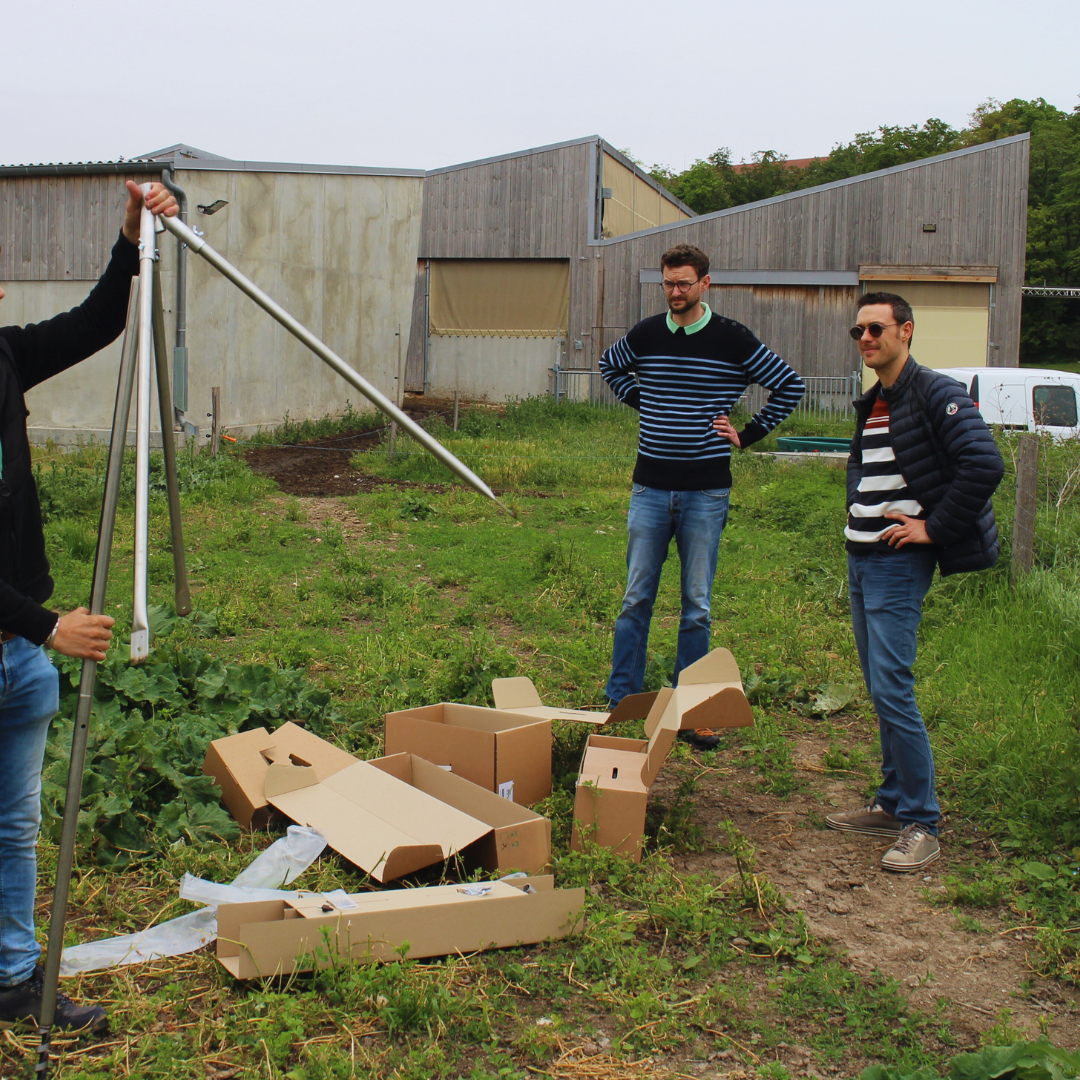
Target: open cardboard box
[[617, 774], [239, 763], [519, 695], [276, 937], [390, 816], [505, 752]]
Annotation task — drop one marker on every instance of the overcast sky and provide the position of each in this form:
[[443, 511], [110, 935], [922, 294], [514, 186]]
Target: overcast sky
[[426, 84]]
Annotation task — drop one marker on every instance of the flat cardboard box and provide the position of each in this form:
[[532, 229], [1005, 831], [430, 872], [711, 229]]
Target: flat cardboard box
[[277, 937], [617, 774], [398, 814], [506, 752], [519, 695], [239, 763]]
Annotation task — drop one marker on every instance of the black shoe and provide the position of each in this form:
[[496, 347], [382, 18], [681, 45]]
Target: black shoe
[[701, 739], [21, 1003]]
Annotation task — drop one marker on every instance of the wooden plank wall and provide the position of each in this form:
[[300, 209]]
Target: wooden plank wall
[[535, 206], [805, 324], [59, 228], [978, 202]]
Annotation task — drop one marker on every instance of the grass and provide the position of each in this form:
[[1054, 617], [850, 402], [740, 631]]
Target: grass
[[396, 599]]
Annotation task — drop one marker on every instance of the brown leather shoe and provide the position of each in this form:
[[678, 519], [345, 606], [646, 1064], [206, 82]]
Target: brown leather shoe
[[871, 820], [915, 849]]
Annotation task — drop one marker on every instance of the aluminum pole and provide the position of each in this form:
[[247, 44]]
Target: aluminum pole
[[65, 857], [181, 593], [140, 619], [197, 244]]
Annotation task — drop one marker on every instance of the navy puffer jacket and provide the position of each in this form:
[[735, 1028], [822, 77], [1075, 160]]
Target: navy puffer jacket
[[949, 459]]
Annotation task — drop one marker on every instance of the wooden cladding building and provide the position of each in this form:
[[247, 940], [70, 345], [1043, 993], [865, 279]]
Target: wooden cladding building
[[948, 233], [482, 277]]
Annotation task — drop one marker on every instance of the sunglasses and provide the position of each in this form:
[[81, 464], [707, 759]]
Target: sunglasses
[[875, 330]]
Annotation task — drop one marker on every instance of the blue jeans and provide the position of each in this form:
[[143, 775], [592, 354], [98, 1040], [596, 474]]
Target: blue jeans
[[696, 519], [29, 699], [887, 591]]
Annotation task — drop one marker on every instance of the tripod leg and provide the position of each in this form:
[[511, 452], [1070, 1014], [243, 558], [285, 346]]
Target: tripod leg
[[66, 854], [140, 619], [168, 449]]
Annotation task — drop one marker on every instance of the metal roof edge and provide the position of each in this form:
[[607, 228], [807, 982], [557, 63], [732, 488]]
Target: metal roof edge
[[228, 165], [89, 168], [639, 171], [860, 178], [515, 154]]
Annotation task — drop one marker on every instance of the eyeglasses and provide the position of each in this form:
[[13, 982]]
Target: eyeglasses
[[874, 329], [679, 286]]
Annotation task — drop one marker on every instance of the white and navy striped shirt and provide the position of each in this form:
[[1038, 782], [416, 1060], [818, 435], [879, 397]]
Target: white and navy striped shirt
[[882, 489], [680, 382]]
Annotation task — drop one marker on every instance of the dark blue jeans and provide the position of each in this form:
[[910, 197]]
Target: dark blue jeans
[[887, 591], [29, 698], [696, 520]]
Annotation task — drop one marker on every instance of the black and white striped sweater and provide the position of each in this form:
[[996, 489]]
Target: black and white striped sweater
[[680, 382]]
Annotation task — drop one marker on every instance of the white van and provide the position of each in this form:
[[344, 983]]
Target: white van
[[1023, 399]]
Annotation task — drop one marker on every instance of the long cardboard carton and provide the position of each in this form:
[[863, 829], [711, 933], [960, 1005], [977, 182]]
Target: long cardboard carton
[[276, 937], [505, 752], [519, 695], [617, 774]]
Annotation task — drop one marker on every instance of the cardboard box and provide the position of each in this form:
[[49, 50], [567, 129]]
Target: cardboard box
[[239, 763], [390, 816], [276, 937], [505, 752], [617, 774], [519, 695]]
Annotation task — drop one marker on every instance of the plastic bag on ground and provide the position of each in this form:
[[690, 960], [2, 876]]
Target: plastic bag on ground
[[281, 863]]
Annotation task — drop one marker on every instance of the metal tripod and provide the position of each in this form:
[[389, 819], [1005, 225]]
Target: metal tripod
[[145, 335], [144, 343]]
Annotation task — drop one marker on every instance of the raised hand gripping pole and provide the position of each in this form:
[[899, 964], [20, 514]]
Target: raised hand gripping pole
[[328, 356]]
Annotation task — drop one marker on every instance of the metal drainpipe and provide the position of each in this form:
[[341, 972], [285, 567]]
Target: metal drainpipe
[[180, 360]]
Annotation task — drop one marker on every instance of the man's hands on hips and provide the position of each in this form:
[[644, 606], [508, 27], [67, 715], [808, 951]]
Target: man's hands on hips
[[911, 531], [159, 201], [722, 427], [83, 635]]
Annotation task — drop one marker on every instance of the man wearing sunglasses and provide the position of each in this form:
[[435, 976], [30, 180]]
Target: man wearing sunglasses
[[922, 469], [29, 686], [684, 371]]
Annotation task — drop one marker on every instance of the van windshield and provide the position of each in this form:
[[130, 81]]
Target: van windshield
[[1054, 406]]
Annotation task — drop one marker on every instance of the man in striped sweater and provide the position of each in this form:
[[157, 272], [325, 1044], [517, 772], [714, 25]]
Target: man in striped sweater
[[922, 468], [684, 371]]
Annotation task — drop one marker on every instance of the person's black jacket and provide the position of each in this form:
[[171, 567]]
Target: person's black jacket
[[30, 355], [949, 459]]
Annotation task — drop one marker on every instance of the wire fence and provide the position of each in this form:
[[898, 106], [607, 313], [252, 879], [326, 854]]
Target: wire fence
[[828, 396]]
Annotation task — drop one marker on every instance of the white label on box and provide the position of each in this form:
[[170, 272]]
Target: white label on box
[[448, 768], [506, 790]]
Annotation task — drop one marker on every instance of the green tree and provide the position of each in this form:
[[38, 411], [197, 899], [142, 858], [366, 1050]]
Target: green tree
[[1050, 330]]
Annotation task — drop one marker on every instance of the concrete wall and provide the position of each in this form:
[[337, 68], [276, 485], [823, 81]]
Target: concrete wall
[[490, 368], [337, 251]]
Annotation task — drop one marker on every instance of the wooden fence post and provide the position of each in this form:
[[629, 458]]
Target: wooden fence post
[[215, 420], [1027, 493]]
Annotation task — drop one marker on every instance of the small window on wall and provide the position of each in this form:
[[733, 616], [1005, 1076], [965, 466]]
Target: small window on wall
[[1054, 406]]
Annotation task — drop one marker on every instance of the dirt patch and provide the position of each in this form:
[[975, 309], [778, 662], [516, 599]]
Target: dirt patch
[[874, 919], [321, 467]]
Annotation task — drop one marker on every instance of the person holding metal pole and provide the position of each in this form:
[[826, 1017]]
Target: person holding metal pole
[[29, 686]]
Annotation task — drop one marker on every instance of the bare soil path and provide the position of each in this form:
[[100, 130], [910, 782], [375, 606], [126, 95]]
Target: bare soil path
[[875, 919]]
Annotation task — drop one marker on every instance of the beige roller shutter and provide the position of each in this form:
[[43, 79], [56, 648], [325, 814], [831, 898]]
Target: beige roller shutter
[[499, 297], [952, 321]]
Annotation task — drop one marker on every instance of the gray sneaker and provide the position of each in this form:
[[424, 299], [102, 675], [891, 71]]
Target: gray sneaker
[[914, 850], [870, 819]]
